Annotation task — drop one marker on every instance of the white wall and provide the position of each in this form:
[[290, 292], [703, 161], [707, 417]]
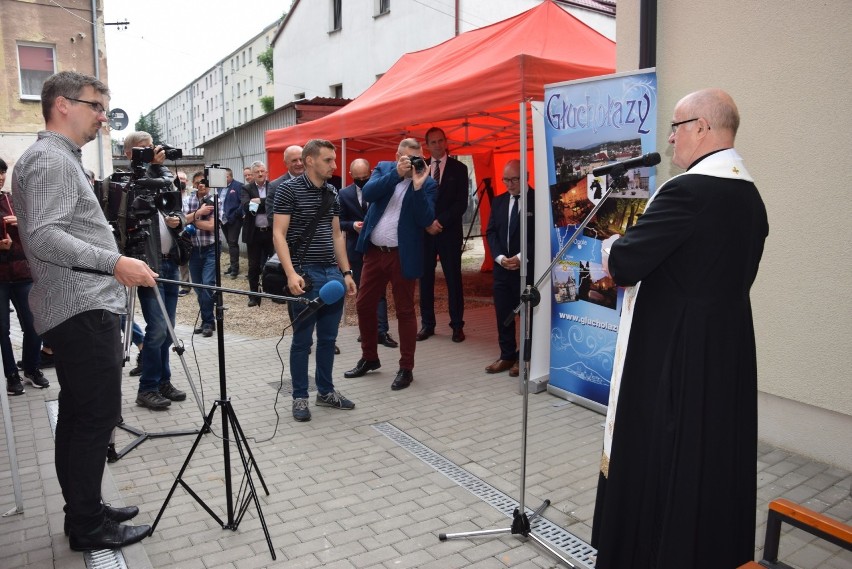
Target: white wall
[[310, 59], [786, 67]]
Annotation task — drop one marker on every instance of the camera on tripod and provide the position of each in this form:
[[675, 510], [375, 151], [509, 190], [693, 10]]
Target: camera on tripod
[[133, 198]]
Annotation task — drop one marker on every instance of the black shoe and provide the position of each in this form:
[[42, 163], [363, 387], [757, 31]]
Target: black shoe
[[14, 385], [336, 350], [458, 335], [46, 361], [403, 379], [425, 333], [362, 367], [117, 515], [37, 379], [110, 535], [387, 341], [253, 301], [152, 400], [183, 292], [138, 369], [235, 274], [171, 392], [207, 330]]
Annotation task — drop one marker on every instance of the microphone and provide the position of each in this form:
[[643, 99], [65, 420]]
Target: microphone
[[188, 230], [650, 159], [331, 292]]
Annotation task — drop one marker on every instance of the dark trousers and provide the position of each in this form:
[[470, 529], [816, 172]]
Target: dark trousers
[[381, 268], [88, 355], [259, 250], [18, 294], [448, 247], [507, 296], [232, 236]]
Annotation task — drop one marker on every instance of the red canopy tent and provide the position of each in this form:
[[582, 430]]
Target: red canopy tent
[[475, 86]]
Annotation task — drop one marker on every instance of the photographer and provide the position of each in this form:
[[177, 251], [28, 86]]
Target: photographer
[[155, 387], [202, 262]]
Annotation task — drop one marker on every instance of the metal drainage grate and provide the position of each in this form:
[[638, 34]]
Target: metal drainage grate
[[104, 558], [543, 528]]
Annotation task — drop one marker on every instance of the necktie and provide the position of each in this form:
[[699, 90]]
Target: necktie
[[514, 221], [437, 175]]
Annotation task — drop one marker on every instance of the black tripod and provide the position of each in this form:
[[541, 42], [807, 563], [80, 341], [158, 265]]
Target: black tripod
[[177, 347], [247, 491], [483, 189]]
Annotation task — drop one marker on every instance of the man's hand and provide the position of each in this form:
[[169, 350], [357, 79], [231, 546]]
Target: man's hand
[[133, 272], [205, 209], [351, 287], [403, 166], [419, 178], [511, 263], [11, 220], [358, 226], [296, 284], [5, 243], [159, 155], [172, 221], [435, 228]]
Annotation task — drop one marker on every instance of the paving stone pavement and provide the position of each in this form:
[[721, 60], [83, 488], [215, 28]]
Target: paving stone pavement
[[341, 494]]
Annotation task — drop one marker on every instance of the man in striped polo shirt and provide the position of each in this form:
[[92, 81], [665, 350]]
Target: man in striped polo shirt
[[321, 258]]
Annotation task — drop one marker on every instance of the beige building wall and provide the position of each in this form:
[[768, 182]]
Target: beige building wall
[[72, 29], [786, 65]]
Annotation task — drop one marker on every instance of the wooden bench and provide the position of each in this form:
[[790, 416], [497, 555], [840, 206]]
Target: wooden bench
[[822, 526]]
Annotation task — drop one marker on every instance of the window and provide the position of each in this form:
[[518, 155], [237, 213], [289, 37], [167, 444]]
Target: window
[[35, 64], [260, 91], [250, 59], [337, 91], [298, 96], [239, 116], [382, 7], [226, 79], [336, 15]]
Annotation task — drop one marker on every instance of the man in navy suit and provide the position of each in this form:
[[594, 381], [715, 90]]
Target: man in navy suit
[[353, 208], [257, 231], [504, 239], [402, 200], [443, 238], [231, 219]]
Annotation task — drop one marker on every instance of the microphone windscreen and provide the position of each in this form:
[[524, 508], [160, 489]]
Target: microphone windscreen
[[651, 159], [331, 292]]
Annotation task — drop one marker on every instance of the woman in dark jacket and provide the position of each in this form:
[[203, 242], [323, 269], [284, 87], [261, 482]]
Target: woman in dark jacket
[[15, 284]]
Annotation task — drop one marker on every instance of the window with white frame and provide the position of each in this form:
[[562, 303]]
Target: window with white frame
[[336, 15], [382, 7], [36, 62]]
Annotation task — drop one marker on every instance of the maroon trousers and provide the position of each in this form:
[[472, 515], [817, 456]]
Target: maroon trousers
[[380, 268]]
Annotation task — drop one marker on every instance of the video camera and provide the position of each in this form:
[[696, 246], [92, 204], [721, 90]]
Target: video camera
[[133, 198]]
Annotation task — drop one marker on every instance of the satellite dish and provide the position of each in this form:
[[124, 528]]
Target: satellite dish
[[118, 119]]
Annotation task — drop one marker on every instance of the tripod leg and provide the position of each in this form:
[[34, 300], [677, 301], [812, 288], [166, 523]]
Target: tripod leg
[[238, 430], [240, 441], [179, 478]]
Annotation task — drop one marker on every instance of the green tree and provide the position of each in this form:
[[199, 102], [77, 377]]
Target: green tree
[[267, 104], [148, 123], [265, 59]]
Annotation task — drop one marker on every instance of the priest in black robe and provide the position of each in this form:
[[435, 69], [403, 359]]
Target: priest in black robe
[[678, 475]]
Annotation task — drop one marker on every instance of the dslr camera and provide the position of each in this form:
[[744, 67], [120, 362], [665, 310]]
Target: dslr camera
[[146, 154], [418, 163]]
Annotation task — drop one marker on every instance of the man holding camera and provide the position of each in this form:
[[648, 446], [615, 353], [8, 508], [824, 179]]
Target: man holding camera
[[202, 261], [156, 391], [62, 228], [402, 198], [312, 251]]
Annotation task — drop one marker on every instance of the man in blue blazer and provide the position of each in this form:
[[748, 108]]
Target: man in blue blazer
[[231, 220], [504, 240], [402, 198], [353, 208]]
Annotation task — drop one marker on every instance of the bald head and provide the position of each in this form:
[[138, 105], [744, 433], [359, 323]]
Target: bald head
[[703, 122], [716, 106], [293, 160]]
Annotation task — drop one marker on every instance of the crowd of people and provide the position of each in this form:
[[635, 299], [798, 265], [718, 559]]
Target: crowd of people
[[679, 364]]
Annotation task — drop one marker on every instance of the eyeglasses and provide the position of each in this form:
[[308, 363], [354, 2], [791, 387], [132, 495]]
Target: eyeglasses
[[677, 124], [95, 106], [511, 180]]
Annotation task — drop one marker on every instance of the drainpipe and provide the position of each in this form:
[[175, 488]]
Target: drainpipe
[[95, 40], [457, 17], [648, 34]]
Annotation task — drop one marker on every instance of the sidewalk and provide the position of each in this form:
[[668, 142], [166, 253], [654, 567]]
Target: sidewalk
[[343, 492]]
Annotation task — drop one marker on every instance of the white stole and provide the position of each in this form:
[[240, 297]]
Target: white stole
[[725, 164]]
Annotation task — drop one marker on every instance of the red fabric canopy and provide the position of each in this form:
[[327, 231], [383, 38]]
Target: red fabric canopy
[[470, 85]]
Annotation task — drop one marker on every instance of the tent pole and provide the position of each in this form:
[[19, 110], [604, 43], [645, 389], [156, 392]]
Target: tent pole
[[529, 298], [342, 164]]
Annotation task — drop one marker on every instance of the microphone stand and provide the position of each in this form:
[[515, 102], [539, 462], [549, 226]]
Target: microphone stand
[[245, 496], [530, 297], [486, 188]]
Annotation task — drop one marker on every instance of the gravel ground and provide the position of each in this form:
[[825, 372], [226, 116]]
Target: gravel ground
[[270, 319]]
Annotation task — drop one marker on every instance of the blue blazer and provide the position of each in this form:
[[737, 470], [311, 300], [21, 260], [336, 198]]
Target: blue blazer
[[417, 213], [231, 203]]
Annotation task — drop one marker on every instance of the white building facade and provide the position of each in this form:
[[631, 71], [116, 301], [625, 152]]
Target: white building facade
[[338, 48], [226, 96]]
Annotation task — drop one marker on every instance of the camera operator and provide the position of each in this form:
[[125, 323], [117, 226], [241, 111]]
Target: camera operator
[[155, 387]]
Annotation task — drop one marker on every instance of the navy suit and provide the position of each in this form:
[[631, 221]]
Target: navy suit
[[507, 284], [351, 211], [400, 266], [258, 240], [232, 223], [450, 204]]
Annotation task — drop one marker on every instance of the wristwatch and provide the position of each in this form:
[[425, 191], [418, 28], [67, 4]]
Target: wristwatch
[[349, 272]]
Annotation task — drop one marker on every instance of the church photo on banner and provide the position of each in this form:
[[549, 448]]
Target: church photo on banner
[[591, 123]]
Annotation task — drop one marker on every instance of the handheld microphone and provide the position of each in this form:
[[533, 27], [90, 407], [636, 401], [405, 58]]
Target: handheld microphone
[[188, 230], [650, 159], [329, 293]]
